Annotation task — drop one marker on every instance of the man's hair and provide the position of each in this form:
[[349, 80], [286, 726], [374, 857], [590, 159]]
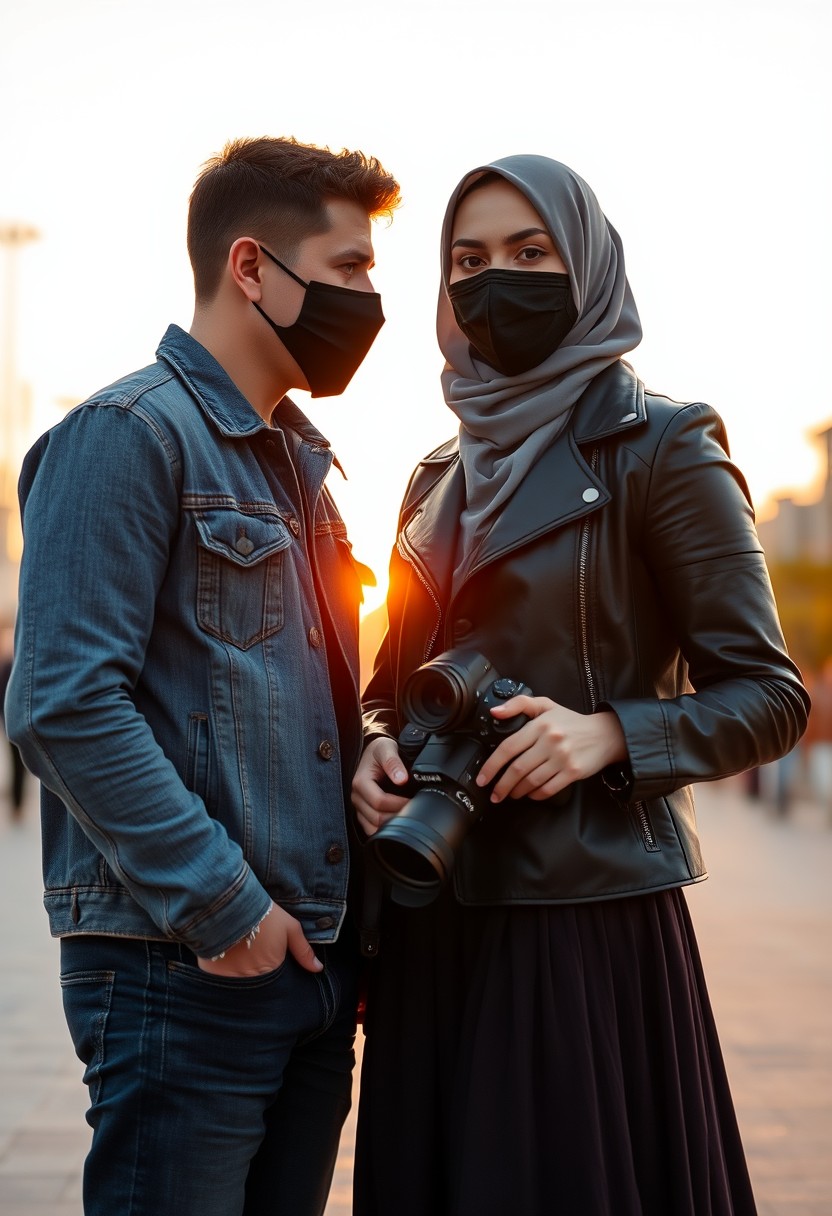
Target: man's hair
[[276, 191]]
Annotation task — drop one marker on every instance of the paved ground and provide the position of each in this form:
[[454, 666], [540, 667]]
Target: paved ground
[[763, 920]]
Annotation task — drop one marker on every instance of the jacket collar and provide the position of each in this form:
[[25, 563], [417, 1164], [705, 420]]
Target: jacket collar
[[217, 394], [560, 487], [614, 402]]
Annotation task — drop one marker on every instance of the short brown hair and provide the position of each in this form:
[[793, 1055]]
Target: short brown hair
[[276, 191]]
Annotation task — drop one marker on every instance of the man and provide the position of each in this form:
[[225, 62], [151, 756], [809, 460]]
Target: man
[[186, 688]]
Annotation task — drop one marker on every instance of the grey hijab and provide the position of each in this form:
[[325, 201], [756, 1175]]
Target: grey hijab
[[506, 422]]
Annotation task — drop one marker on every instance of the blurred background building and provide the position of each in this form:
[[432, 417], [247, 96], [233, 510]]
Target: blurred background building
[[798, 545], [803, 530], [15, 418]]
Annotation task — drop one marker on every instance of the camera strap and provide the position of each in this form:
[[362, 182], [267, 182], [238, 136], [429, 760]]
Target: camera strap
[[371, 909]]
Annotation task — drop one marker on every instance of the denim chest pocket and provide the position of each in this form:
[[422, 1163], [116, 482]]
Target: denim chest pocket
[[240, 575]]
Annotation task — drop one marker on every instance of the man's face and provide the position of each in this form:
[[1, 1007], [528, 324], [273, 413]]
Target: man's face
[[342, 256], [323, 351]]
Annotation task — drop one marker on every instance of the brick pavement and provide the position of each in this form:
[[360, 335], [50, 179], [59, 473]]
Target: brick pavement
[[763, 921]]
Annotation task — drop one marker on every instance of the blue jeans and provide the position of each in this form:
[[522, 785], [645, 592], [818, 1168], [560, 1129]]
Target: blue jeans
[[209, 1096]]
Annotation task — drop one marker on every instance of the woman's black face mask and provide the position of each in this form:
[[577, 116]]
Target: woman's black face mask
[[514, 319], [335, 328]]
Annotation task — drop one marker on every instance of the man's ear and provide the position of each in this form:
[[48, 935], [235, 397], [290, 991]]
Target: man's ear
[[244, 262]]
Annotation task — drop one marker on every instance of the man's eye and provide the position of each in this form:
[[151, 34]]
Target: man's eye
[[349, 268]]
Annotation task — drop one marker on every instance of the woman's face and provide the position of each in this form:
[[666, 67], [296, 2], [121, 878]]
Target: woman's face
[[496, 228]]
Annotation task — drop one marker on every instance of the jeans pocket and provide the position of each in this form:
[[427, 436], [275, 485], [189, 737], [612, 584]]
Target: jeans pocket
[[240, 575], [221, 1011], [87, 996], [218, 985]]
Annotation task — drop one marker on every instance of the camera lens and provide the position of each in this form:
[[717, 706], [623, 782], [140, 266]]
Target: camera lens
[[402, 863], [436, 700], [442, 694], [416, 848]]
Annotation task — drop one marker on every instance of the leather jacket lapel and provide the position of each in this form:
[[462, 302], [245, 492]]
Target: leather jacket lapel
[[428, 537], [560, 488]]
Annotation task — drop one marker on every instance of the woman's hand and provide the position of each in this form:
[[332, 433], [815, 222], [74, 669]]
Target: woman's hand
[[372, 805], [555, 748]]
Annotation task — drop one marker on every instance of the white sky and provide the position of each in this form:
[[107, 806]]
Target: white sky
[[704, 129]]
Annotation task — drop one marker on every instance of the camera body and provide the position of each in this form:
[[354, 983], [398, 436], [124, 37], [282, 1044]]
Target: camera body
[[448, 736]]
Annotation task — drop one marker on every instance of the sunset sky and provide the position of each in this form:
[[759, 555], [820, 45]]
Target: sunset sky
[[704, 129]]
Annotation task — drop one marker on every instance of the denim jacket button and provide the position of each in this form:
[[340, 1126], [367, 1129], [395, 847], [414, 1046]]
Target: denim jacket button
[[315, 637], [294, 524], [325, 922], [326, 750], [335, 854], [244, 546]]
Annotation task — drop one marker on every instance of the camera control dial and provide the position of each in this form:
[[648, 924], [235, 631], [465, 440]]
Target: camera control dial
[[504, 689]]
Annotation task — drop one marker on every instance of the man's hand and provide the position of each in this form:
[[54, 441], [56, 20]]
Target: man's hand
[[372, 805], [280, 934], [555, 748]]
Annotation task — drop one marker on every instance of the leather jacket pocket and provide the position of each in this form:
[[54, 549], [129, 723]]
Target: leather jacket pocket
[[240, 575]]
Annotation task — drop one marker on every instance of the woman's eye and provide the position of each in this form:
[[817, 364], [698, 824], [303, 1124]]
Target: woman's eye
[[471, 261], [530, 255]]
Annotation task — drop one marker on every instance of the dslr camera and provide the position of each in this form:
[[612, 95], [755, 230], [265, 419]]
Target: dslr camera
[[448, 736]]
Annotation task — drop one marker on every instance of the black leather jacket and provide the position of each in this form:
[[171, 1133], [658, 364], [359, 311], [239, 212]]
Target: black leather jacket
[[625, 573]]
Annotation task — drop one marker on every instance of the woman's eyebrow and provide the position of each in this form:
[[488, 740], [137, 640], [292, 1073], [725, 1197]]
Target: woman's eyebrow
[[522, 235]]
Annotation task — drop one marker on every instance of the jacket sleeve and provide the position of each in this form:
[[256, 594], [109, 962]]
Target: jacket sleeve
[[100, 504], [747, 705]]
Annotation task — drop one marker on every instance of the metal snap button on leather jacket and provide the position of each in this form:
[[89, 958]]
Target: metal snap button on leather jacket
[[624, 573]]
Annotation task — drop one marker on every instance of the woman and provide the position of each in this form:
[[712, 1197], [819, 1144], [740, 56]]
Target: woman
[[539, 1037]]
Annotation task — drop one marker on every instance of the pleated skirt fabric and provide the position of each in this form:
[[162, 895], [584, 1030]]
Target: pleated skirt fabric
[[545, 1061]]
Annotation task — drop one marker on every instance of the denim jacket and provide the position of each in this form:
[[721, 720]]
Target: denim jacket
[[186, 661]]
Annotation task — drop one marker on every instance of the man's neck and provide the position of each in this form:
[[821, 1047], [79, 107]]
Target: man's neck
[[241, 358]]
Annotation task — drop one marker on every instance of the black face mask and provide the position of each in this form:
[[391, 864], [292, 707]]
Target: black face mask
[[514, 319], [334, 330]]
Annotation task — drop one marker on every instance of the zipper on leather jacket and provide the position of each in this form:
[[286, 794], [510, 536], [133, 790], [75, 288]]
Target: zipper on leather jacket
[[638, 809], [583, 613], [413, 565], [646, 828]]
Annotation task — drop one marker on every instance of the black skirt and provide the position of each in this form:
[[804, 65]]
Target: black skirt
[[528, 1061]]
